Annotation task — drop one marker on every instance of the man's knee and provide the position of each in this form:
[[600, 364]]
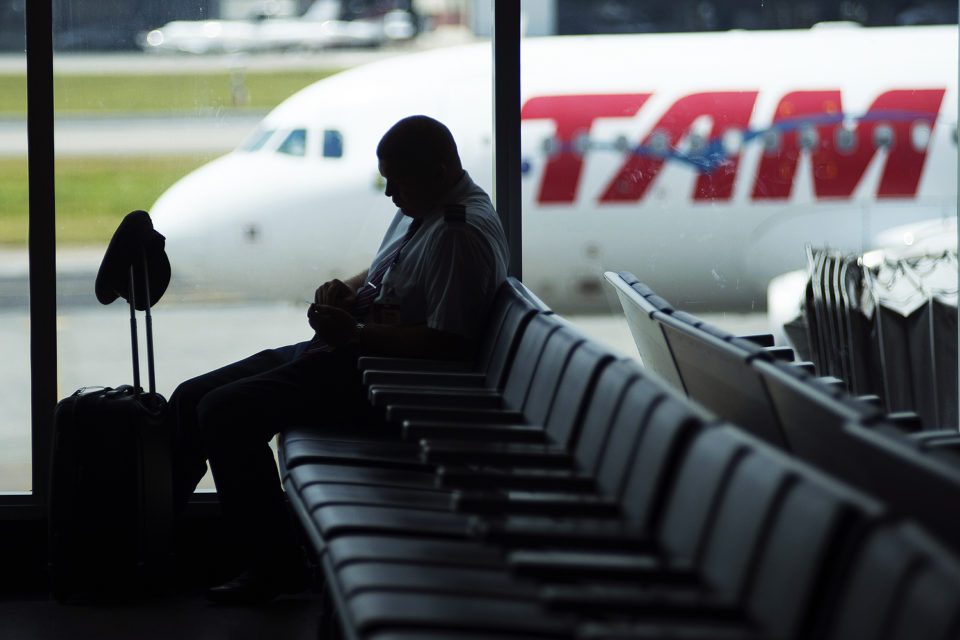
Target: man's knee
[[233, 415], [188, 394]]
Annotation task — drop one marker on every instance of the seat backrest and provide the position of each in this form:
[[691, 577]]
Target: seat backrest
[[929, 604], [603, 406], [521, 290], [525, 361], [914, 483], [718, 375], [505, 326], [660, 446], [806, 551], [547, 375], [812, 417], [944, 326], [578, 383], [702, 479], [623, 436], [651, 344], [884, 594], [745, 511]]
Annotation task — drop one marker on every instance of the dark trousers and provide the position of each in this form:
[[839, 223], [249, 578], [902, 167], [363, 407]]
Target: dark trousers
[[228, 416]]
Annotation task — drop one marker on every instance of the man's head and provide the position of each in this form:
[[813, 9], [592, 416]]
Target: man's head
[[419, 159]]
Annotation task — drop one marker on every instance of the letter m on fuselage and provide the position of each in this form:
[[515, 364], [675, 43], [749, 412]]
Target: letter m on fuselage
[[837, 167]]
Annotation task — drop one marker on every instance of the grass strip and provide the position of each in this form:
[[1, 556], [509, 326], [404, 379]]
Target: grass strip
[[188, 93], [92, 194]]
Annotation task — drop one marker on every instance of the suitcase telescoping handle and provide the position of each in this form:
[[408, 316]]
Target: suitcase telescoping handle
[[133, 328], [135, 244]]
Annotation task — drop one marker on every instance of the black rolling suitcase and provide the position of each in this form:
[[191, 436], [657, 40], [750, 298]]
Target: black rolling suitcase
[[110, 500]]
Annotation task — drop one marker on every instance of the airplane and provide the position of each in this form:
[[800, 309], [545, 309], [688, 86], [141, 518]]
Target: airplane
[[321, 26], [703, 163]]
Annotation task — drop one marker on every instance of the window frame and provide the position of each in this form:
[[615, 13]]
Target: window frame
[[41, 246]]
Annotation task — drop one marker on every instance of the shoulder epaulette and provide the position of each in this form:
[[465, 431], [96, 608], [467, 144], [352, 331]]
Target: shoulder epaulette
[[454, 213]]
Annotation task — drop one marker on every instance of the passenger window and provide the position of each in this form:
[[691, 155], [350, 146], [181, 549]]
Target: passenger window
[[295, 144], [257, 139], [332, 144]]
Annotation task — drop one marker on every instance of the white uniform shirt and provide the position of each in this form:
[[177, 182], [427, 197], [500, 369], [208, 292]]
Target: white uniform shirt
[[449, 271]]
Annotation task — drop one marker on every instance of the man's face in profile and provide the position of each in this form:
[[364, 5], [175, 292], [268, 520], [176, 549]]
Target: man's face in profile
[[412, 191]]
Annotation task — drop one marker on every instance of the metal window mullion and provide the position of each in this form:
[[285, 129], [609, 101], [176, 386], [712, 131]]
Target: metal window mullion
[[42, 237], [506, 126]]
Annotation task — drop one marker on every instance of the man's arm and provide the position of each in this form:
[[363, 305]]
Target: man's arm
[[339, 293]]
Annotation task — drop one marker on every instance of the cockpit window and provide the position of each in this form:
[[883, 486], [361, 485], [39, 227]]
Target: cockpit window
[[332, 144], [295, 144], [257, 139]]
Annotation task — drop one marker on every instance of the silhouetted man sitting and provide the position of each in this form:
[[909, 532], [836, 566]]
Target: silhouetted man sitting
[[426, 294]]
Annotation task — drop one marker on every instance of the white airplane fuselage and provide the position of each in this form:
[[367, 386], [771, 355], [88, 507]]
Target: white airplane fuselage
[[701, 162]]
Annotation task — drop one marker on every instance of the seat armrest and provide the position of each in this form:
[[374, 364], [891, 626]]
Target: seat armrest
[[475, 398], [379, 377], [676, 596], [545, 503], [398, 413], [595, 565], [412, 364], [487, 478], [483, 432], [782, 354], [551, 533], [506, 455], [759, 339]]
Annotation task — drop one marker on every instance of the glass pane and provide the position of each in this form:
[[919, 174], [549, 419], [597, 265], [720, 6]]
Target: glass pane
[[256, 140], [295, 144], [332, 144], [703, 146], [15, 447], [249, 235]]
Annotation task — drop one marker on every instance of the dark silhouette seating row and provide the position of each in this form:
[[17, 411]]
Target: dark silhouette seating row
[[552, 489], [814, 418]]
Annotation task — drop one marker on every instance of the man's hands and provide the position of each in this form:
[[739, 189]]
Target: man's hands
[[329, 316], [335, 293], [333, 324]]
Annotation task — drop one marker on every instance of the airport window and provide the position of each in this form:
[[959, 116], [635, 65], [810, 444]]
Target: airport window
[[295, 143], [686, 175], [332, 144]]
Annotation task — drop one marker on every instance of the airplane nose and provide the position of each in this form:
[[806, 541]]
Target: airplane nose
[[251, 225]]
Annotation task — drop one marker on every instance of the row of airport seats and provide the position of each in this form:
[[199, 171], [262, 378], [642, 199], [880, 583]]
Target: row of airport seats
[[552, 489], [761, 388], [888, 329]]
